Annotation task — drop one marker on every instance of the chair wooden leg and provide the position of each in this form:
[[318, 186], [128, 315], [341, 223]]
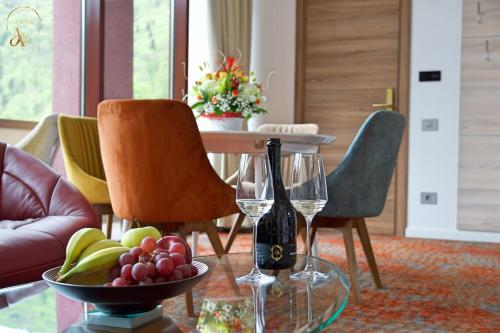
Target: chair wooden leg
[[109, 226], [351, 259], [234, 231], [213, 236], [189, 303], [189, 294], [367, 248]]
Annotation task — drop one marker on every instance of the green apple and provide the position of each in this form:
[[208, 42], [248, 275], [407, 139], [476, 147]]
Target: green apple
[[133, 237]]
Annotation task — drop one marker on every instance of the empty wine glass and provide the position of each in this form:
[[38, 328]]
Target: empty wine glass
[[255, 197], [308, 194]]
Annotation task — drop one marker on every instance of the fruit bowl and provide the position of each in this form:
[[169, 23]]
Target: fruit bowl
[[127, 299]]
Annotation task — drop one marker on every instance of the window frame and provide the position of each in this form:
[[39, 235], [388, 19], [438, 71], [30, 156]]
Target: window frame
[[93, 16]]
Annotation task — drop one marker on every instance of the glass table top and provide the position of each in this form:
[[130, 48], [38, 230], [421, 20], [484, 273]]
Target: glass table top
[[220, 304]]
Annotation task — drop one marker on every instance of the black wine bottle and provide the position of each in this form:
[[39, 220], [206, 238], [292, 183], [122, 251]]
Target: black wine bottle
[[277, 229]]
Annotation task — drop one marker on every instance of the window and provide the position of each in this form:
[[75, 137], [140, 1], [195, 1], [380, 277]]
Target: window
[[26, 59], [135, 49], [151, 49]]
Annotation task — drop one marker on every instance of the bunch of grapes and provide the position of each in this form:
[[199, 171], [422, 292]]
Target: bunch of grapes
[[152, 262]]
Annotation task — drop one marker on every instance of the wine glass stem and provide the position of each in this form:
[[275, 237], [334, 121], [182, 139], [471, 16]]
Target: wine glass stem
[[255, 221], [309, 266]]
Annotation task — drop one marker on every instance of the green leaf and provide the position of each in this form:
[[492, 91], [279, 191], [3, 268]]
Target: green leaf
[[197, 105]]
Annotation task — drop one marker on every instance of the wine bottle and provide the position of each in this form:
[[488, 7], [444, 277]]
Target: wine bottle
[[277, 229]]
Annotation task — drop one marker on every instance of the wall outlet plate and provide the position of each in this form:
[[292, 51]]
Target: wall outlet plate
[[430, 125], [428, 198]]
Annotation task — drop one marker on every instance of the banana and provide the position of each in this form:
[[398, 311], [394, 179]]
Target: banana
[[77, 243], [99, 245], [101, 260]]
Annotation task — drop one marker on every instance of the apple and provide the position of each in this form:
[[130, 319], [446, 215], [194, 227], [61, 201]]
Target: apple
[[134, 237]]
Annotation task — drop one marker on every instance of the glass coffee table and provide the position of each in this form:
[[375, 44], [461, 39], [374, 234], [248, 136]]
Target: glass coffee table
[[219, 303]]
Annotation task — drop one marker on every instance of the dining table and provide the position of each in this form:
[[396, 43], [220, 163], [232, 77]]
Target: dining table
[[240, 142]]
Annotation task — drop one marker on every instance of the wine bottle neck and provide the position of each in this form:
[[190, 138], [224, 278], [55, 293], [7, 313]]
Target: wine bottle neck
[[274, 152]]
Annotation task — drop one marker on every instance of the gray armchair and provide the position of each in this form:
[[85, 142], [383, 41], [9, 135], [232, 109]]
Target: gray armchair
[[358, 187]]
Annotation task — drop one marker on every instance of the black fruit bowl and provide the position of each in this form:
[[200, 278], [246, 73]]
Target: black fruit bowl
[[125, 300]]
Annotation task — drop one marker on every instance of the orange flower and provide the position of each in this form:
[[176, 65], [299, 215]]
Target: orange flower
[[214, 100], [257, 101], [235, 92], [199, 97]]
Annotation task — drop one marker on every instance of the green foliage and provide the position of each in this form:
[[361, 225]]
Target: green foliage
[[151, 48], [26, 72], [34, 314]]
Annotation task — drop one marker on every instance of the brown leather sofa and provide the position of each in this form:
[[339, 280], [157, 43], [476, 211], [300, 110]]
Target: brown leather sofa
[[39, 211]]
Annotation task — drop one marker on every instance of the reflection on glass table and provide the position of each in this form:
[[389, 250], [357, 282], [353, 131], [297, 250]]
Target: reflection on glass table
[[221, 305]]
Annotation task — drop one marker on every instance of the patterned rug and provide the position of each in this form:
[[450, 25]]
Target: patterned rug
[[429, 285]]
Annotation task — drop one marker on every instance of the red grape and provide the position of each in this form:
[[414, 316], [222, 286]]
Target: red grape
[[145, 258], [164, 266], [136, 252], [185, 270], [161, 255], [166, 241], [148, 244], [194, 270], [151, 269], [126, 272], [125, 259], [175, 275], [160, 279], [178, 259], [177, 248], [119, 282], [140, 271], [146, 281], [162, 244], [114, 273]]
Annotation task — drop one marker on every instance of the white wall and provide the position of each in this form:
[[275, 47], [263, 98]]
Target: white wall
[[273, 49], [433, 156]]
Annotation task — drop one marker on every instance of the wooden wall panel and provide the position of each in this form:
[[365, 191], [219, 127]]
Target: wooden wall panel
[[489, 24], [479, 165]]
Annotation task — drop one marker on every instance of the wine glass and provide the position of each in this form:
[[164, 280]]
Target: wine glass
[[308, 194], [255, 197]]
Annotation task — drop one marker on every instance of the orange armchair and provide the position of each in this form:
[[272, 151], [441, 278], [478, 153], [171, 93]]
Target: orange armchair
[[157, 168]]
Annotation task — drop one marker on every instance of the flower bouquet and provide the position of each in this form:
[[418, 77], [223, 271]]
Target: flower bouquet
[[228, 92]]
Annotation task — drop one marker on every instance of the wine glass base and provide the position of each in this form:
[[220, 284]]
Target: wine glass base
[[255, 279], [309, 275]]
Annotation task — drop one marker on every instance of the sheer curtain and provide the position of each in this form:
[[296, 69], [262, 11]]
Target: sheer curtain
[[230, 30], [230, 34]]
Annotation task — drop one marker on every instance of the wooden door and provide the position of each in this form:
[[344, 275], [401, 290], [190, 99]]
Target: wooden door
[[349, 53]]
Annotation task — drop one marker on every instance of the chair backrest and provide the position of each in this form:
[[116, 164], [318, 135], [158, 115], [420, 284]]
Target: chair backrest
[[358, 187], [286, 162], [156, 165], [43, 140], [80, 146], [29, 189]]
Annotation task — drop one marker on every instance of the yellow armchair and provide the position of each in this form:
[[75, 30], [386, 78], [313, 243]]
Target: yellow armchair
[[83, 163]]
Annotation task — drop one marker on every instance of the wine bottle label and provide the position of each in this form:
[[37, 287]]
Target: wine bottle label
[[275, 253]]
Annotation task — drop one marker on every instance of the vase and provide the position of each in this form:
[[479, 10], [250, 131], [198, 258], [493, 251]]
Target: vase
[[228, 121]]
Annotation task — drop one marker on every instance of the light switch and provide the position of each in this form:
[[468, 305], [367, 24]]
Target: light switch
[[430, 124]]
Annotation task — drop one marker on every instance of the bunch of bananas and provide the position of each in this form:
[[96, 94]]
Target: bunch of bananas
[[92, 253]]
